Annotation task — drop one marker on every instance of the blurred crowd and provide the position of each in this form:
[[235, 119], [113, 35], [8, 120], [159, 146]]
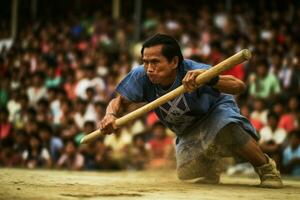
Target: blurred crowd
[[58, 77]]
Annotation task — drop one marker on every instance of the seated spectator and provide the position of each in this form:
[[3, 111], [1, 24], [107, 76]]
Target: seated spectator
[[5, 125], [245, 111], [43, 112], [102, 156], [264, 84], [35, 155], [272, 137], [260, 112], [71, 159], [79, 115], [278, 108], [37, 89], [289, 120], [118, 143], [291, 154], [89, 150], [52, 80], [19, 119], [69, 130], [8, 156], [90, 113], [161, 146], [53, 143], [70, 85], [21, 142], [138, 153], [13, 104]]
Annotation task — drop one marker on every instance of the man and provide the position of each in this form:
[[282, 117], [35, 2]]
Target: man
[[206, 120]]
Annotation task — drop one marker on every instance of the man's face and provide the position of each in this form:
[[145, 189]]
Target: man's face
[[158, 68]]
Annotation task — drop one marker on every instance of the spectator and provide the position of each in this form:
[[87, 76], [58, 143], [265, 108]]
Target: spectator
[[13, 104], [138, 153], [89, 80], [260, 111], [291, 154], [79, 115], [8, 157], [5, 125], [119, 143], [53, 144], [160, 147], [71, 159], [264, 84], [36, 155], [245, 111], [289, 120], [37, 90], [272, 137]]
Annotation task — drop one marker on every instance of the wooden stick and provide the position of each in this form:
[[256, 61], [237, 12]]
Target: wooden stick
[[200, 80]]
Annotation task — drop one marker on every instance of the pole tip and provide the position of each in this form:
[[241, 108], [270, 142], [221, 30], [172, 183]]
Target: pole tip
[[247, 54], [82, 141]]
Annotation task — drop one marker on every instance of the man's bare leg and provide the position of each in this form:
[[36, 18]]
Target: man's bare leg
[[264, 166], [252, 153]]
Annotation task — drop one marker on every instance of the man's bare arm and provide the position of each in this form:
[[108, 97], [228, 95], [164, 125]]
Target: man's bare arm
[[113, 110], [226, 83], [230, 85]]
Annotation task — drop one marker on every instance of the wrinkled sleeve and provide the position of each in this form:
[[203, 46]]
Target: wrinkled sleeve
[[132, 86]]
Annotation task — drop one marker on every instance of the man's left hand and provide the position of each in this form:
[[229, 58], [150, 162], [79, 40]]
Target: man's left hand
[[189, 81]]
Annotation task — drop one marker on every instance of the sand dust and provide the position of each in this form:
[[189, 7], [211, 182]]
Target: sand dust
[[44, 184]]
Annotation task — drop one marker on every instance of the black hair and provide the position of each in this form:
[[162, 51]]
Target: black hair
[[45, 127], [295, 133], [273, 115], [170, 47], [4, 110], [89, 123]]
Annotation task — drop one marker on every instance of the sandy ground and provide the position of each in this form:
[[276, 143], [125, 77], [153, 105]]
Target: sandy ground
[[44, 184]]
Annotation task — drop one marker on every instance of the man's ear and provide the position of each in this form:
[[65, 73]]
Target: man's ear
[[175, 61]]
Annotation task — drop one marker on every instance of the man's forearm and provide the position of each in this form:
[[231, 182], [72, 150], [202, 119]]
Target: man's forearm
[[231, 85], [114, 106]]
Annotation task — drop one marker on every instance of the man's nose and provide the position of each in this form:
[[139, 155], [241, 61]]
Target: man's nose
[[150, 68]]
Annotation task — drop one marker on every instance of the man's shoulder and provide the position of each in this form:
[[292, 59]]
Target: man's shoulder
[[191, 65], [138, 71]]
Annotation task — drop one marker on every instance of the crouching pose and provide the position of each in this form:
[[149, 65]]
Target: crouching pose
[[206, 119]]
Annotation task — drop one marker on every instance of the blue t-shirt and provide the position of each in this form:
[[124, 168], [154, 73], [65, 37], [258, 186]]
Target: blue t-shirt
[[206, 108], [288, 155]]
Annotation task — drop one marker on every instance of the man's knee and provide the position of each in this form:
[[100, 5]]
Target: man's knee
[[183, 174], [191, 170]]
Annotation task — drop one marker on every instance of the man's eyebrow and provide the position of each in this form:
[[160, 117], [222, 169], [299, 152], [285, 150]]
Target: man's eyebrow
[[150, 59]]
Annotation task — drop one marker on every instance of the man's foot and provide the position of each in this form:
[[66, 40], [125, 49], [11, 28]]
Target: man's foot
[[269, 175]]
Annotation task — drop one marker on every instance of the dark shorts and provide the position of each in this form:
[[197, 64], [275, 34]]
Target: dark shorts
[[228, 140]]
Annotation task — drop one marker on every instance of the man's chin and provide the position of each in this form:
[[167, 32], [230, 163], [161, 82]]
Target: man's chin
[[154, 81]]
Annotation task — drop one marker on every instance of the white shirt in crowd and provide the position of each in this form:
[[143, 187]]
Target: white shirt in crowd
[[267, 135], [97, 83]]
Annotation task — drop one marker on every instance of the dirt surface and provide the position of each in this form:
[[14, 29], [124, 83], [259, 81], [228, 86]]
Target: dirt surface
[[43, 184]]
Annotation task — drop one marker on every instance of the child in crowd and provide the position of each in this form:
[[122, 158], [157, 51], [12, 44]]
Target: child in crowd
[[272, 137], [161, 146], [71, 159], [36, 155], [291, 154]]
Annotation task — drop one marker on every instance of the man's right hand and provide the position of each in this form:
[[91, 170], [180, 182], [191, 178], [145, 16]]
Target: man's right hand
[[108, 124]]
